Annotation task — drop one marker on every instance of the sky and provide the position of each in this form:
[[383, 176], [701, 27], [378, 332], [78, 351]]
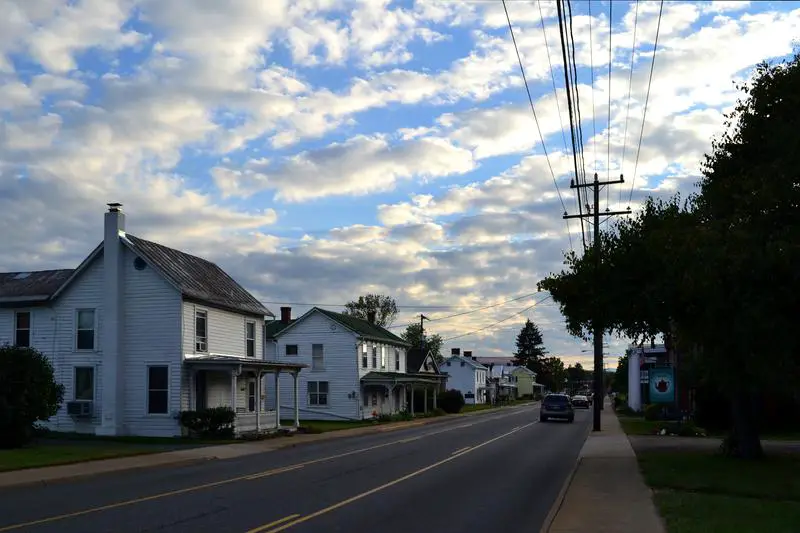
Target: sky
[[322, 149]]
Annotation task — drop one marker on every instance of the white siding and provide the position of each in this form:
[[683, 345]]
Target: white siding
[[226, 331], [340, 371], [150, 336], [464, 377], [390, 358]]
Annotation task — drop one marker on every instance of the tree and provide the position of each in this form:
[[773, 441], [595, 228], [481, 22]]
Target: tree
[[433, 343], [621, 374], [551, 373], [576, 373], [384, 307], [28, 394], [530, 347]]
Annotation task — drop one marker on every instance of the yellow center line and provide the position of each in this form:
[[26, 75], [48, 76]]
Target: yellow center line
[[275, 523], [213, 484], [462, 450], [261, 529]]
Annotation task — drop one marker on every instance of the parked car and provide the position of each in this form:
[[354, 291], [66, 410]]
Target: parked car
[[580, 401], [556, 406]]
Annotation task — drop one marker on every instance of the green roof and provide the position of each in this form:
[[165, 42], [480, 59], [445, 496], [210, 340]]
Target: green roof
[[363, 328], [273, 327]]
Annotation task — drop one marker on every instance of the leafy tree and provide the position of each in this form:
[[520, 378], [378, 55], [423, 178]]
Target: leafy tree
[[433, 343], [621, 374], [551, 373], [576, 373], [28, 394], [384, 307], [530, 347]]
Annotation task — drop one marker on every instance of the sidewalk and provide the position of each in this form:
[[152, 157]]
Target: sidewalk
[[51, 474], [607, 493]]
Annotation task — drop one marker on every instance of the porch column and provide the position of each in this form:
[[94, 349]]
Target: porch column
[[258, 401], [425, 409], [277, 400], [296, 401], [234, 380], [435, 394], [412, 400], [192, 391]]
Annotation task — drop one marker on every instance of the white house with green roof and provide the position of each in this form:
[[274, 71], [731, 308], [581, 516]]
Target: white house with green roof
[[355, 368]]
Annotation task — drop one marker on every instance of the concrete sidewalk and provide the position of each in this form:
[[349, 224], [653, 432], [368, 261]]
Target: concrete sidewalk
[[50, 474], [606, 493]]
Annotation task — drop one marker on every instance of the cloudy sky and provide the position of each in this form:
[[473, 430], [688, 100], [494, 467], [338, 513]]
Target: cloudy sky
[[321, 149]]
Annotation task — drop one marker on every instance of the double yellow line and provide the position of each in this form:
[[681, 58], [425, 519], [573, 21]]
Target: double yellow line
[[293, 520]]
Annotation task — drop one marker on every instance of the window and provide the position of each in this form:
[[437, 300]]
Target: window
[[397, 359], [157, 390], [364, 355], [250, 339], [83, 386], [85, 330], [251, 396], [22, 328], [317, 357], [383, 356], [291, 349], [374, 356], [318, 393], [200, 331]]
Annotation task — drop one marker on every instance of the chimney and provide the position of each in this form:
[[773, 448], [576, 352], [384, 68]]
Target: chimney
[[286, 314], [110, 339], [468, 354], [455, 351], [371, 317]]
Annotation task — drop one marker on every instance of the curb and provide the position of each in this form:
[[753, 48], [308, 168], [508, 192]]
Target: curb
[[556, 507]]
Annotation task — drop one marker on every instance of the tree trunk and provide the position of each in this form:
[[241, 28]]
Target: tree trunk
[[744, 441]]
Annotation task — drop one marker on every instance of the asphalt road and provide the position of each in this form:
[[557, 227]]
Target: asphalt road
[[492, 471]]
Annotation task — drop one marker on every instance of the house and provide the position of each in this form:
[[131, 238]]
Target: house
[[467, 375], [526, 382], [357, 369], [503, 381], [139, 332], [423, 364]]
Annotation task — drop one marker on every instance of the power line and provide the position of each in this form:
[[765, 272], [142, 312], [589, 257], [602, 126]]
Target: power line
[[647, 99], [535, 118], [630, 86], [610, 61], [506, 319], [591, 70]]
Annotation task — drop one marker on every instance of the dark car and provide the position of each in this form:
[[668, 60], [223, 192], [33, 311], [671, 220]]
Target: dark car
[[556, 406], [580, 401]]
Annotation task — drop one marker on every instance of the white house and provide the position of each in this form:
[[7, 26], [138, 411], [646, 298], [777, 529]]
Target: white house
[[356, 369], [139, 332], [467, 375]]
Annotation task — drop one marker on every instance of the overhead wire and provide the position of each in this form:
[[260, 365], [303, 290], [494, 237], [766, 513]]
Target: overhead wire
[[535, 117], [630, 86], [591, 70], [610, 62], [494, 324], [647, 99], [576, 92]]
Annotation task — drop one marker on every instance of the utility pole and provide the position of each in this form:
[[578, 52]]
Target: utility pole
[[597, 322], [422, 319]]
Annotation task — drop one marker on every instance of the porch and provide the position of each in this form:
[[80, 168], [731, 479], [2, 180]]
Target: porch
[[239, 383], [388, 393]]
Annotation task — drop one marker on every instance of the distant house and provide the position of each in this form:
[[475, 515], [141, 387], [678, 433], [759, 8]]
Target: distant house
[[526, 381], [504, 381], [357, 369], [422, 363], [139, 332], [467, 375]]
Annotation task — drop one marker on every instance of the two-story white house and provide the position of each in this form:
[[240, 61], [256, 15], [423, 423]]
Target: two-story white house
[[466, 375], [356, 369], [139, 332]]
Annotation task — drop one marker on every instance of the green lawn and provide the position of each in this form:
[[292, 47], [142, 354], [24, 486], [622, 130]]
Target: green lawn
[[475, 407], [59, 454], [324, 426], [701, 493]]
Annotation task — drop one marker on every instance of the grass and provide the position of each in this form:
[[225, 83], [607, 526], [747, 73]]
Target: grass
[[475, 407], [701, 493], [61, 454], [324, 426], [129, 439]]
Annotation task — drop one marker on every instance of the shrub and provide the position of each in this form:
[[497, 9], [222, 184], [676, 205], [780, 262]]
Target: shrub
[[451, 401], [28, 394], [653, 411], [439, 412], [213, 422]]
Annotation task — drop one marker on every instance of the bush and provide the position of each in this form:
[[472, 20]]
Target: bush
[[451, 401], [653, 411], [214, 422], [439, 412], [28, 394]]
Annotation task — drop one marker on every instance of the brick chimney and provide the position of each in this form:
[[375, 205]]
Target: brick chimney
[[455, 351], [371, 317], [110, 338], [286, 314], [468, 354]]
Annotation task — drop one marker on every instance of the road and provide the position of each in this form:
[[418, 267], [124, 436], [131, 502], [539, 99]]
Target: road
[[482, 472]]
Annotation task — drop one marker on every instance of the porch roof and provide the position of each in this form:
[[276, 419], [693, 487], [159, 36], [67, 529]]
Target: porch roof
[[225, 361], [400, 377]]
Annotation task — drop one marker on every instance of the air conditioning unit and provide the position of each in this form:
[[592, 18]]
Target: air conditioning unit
[[81, 409]]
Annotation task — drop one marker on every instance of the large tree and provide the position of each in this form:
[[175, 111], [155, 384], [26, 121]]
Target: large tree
[[384, 307], [551, 374], [717, 275], [433, 343], [530, 347], [576, 373], [621, 374]]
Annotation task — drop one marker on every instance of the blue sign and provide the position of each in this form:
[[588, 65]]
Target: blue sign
[[662, 385]]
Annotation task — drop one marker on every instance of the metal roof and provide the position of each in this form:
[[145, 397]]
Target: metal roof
[[21, 287]]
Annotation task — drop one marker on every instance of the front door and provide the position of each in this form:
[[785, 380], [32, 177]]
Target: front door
[[200, 390]]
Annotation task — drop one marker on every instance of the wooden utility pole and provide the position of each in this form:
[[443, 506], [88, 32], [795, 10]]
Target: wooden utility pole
[[422, 319], [597, 321]]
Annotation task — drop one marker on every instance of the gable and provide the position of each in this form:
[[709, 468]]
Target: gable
[[360, 328]]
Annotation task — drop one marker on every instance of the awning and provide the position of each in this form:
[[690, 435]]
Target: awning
[[244, 362]]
